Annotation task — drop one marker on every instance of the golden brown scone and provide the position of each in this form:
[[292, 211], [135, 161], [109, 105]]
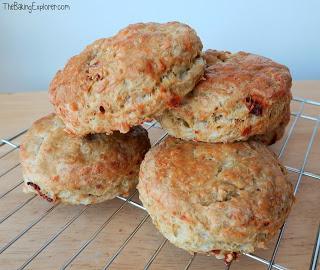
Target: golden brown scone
[[241, 95], [61, 167], [119, 82], [219, 199]]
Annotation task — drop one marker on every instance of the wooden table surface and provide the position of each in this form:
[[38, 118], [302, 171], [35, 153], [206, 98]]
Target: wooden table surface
[[39, 235]]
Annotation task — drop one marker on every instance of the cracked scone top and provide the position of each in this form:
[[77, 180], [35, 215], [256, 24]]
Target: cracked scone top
[[119, 82], [215, 198], [241, 95], [61, 167]]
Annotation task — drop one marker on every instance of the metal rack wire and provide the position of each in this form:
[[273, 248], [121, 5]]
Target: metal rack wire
[[268, 262]]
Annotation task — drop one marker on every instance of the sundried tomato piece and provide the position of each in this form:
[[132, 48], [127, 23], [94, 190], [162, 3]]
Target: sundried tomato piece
[[254, 106], [175, 101], [38, 190]]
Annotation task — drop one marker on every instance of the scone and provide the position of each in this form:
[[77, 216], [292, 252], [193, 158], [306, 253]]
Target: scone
[[241, 95], [61, 167], [119, 82], [219, 199]]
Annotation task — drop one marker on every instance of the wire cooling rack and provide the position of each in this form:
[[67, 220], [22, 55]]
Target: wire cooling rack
[[37, 252]]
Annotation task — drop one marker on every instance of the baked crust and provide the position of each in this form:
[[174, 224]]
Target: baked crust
[[61, 167], [119, 82], [219, 199], [241, 95], [274, 135]]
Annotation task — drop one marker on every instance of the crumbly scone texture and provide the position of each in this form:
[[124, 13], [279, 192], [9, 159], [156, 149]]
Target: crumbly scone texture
[[59, 166], [215, 198], [119, 82], [272, 136], [240, 96]]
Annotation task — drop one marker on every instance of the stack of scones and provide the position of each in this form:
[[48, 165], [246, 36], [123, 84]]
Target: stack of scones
[[212, 186]]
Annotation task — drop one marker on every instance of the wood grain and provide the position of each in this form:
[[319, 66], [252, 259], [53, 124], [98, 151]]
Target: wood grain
[[19, 110]]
